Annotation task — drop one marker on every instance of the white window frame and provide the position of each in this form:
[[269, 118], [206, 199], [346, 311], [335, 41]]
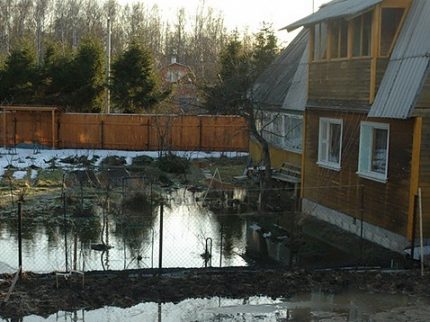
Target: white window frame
[[288, 131], [323, 155], [366, 150]]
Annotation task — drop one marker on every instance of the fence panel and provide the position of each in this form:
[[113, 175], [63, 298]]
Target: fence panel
[[125, 132]]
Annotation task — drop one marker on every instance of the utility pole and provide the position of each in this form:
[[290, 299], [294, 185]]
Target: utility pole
[[109, 45], [313, 6]]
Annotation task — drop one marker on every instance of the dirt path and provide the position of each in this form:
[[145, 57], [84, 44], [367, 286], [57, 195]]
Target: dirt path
[[38, 294]]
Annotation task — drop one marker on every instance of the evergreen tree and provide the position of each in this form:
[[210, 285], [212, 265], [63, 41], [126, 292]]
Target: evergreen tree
[[240, 67], [88, 77], [19, 77], [56, 76], [135, 86]]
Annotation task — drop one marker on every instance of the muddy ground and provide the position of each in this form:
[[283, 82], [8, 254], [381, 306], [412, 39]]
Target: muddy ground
[[38, 294]]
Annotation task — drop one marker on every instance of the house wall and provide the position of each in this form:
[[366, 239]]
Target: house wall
[[424, 181], [277, 156], [343, 80], [383, 205], [424, 98]]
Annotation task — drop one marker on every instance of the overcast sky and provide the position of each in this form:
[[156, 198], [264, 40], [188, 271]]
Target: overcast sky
[[241, 13]]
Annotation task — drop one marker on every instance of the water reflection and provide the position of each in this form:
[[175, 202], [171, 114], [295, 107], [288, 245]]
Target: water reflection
[[116, 238], [354, 307]]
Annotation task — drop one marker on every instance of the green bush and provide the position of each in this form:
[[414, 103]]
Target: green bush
[[173, 164]]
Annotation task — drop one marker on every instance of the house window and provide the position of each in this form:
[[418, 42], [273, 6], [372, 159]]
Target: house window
[[277, 129], [373, 157], [264, 125], [339, 39], [293, 132], [330, 143], [390, 23], [361, 43]]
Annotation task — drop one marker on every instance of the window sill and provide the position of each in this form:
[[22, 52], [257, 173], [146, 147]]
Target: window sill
[[373, 176], [330, 166]]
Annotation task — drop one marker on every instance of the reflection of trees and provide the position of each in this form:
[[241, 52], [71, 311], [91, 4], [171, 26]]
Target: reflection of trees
[[134, 229], [232, 231], [87, 229]]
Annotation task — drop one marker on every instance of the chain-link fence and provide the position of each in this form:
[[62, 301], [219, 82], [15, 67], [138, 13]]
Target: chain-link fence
[[116, 217]]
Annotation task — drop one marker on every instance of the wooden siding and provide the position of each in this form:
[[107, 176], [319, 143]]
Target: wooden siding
[[340, 80], [384, 204], [127, 132], [277, 155], [424, 98], [424, 182], [381, 66], [344, 80]]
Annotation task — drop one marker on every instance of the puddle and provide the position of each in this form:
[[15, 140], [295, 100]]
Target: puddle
[[353, 307], [135, 241]]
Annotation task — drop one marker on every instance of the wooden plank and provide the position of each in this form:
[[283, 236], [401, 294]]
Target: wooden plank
[[415, 173], [376, 34]]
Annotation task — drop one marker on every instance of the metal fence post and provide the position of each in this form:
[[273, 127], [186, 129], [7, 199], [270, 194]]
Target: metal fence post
[[20, 235], [220, 250], [65, 233], [160, 249]]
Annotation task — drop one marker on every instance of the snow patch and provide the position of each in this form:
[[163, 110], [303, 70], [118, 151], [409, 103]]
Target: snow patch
[[18, 175], [254, 227]]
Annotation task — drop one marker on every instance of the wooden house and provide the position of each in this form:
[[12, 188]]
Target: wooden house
[[366, 151], [279, 96], [180, 80]]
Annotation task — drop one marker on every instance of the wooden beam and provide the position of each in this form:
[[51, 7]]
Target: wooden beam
[[415, 173], [4, 128], [350, 37], [376, 32], [303, 164], [53, 128], [396, 3], [312, 57], [329, 40]]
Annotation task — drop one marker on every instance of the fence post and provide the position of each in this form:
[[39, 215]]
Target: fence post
[[65, 233], [148, 132], [20, 234], [102, 134], [414, 227], [15, 121], [220, 251], [200, 133], [160, 249], [361, 222]]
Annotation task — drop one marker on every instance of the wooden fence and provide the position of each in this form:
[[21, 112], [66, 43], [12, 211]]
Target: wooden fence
[[125, 132]]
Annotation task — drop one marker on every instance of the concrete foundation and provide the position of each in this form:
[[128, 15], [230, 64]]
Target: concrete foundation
[[370, 232]]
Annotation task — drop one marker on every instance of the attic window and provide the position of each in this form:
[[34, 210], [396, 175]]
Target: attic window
[[390, 23], [320, 42], [339, 39], [361, 27]]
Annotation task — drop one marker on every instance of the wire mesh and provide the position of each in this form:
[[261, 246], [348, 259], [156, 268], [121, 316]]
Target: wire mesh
[[107, 218]]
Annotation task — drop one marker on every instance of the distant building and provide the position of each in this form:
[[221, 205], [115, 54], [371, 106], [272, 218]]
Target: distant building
[[181, 80]]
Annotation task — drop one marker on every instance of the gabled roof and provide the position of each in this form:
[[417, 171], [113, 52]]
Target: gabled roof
[[408, 66], [297, 95], [272, 86], [335, 9]]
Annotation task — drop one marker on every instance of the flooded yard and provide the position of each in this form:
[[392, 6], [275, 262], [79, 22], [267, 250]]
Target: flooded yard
[[133, 239]]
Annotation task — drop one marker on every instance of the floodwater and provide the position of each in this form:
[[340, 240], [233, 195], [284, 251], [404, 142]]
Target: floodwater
[[189, 231], [354, 307]]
